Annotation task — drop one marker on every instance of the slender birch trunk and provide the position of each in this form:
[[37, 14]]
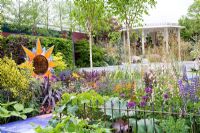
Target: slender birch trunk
[[90, 42], [128, 43]]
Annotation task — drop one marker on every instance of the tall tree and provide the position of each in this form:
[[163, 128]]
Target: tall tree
[[20, 13], [191, 21], [47, 13], [33, 14], [4, 4], [130, 12], [89, 15], [61, 13]]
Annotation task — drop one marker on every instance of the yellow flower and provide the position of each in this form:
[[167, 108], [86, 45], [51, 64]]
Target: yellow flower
[[133, 98], [75, 75]]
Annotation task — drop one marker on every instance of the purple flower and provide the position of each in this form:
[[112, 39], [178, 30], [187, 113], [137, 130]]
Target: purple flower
[[45, 78], [53, 78], [148, 90], [185, 77], [181, 88], [65, 75], [122, 95], [112, 104], [131, 104], [165, 96], [144, 98], [142, 103]]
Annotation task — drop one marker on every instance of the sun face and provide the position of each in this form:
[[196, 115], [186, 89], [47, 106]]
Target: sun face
[[40, 60]]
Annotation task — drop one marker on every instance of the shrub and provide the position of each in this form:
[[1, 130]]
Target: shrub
[[60, 63], [11, 46], [195, 53], [13, 79], [82, 56], [13, 28], [13, 109]]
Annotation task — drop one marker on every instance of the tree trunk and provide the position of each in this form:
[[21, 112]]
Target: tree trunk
[[47, 23], [90, 42], [128, 43], [124, 41], [60, 15]]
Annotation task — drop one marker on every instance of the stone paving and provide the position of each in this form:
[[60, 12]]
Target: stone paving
[[25, 126]]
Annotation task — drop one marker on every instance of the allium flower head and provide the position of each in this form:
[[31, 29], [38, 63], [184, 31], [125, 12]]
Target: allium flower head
[[148, 90], [165, 96], [142, 103], [131, 104], [144, 98], [122, 95]]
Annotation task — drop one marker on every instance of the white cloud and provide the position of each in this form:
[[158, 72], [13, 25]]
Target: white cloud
[[168, 11]]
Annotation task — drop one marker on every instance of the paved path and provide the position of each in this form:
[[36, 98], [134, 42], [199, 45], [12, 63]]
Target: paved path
[[25, 126], [137, 66]]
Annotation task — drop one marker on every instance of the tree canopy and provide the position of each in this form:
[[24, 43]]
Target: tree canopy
[[191, 21], [130, 13]]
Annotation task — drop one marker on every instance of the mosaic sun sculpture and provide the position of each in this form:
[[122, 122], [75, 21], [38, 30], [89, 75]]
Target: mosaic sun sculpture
[[40, 59]]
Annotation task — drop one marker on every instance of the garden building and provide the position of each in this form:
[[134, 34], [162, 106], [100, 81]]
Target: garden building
[[166, 34]]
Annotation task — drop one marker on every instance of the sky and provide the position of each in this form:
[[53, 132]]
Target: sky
[[167, 11]]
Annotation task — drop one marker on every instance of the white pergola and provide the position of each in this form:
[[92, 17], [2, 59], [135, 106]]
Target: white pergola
[[164, 28]]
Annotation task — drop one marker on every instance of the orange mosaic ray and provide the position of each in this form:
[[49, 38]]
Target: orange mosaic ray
[[49, 51], [51, 64], [38, 47], [29, 53], [39, 51]]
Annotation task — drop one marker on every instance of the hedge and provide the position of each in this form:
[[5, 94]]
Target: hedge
[[27, 30], [11, 46], [82, 55]]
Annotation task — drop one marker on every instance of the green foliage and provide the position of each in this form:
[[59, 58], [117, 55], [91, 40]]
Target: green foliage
[[89, 15], [191, 32], [11, 109], [91, 12], [73, 103], [195, 53], [115, 103], [12, 47], [149, 125], [14, 80], [174, 126], [130, 11], [70, 107], [73, 124], [82, 55], [60, 62]]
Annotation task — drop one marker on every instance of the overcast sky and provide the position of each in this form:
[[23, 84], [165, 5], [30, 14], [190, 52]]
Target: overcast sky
[[168, 11]]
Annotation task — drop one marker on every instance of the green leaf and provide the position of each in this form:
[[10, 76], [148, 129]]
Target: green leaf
[[23, 116], [72, 109], [15, 113], [8, 104], [4, 115], [18, 107], [3, 110], [61, 108], [27, 110]]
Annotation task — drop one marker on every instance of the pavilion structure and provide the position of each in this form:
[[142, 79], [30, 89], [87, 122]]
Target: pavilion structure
[[152, 31]]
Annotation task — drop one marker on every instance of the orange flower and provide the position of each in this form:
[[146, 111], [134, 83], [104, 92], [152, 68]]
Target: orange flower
[[128, 86], [133, 86], [117, 88], [94, 85]]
